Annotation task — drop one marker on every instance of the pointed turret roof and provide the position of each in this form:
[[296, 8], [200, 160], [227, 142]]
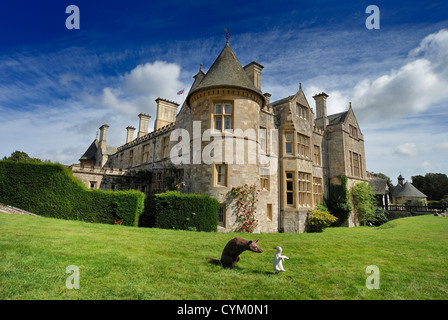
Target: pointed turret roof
[[227, 72]]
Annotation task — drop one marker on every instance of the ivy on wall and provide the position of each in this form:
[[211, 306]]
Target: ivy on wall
[[338, 202]]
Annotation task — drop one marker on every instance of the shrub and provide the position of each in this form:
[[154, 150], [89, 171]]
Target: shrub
[[319, 219], [380, 217], [173, 210], [51, 190]]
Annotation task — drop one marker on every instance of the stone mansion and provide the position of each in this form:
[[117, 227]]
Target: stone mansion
[[302, 151]]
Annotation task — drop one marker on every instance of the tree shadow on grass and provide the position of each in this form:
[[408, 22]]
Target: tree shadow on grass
[[239, 269]]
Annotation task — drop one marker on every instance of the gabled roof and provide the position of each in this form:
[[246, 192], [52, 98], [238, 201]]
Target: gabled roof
[[226, 71], [298, 96], [407, 190], [90, 153], [379, 186], [337, 118], [342, 117], [283, 100]]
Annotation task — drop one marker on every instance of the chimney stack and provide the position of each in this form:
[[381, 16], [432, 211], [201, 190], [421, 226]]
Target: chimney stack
[[143, 124], [253, 71], [166, 113], [103, 133], [321, 109], [267, 97], [129, 134]]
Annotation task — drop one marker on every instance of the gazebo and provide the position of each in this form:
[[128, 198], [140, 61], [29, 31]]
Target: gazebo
[[406, 193]]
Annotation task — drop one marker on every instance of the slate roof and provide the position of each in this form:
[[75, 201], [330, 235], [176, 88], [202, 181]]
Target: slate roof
[[281, 100], [379, 186], [90, 153], [407, 190], [337, 118], [226, 71]]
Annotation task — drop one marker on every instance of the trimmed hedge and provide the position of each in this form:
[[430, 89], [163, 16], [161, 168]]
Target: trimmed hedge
[[50, 190], [173, 210]]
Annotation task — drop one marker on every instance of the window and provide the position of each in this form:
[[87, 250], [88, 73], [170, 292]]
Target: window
[[317, 191], [92, 184], [131, 158], [269, 211], [180, 177], [302, 111], [262, 139], [304, 189], [264, 179], [223, 117], [317, 160], [288, 143], [303, 145], [221, 174], [145, 154], [157, 183], [289, 188], [120, 164], [355, 164], [353, 131], [165, 147], [222, 215]]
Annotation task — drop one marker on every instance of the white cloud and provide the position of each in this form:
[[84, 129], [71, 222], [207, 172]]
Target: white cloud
[[412, 88], [426, 166], [336, 102], [141, 87], [442, 145], [408, 149]]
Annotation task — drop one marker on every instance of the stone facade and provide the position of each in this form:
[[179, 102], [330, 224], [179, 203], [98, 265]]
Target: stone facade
[[228, 133]]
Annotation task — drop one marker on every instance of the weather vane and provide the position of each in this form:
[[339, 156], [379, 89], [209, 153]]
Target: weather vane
[[227, 35]]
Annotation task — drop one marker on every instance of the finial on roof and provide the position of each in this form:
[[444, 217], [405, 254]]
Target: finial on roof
[[300, 85], [350, 104], [200, 67], [227, 35]]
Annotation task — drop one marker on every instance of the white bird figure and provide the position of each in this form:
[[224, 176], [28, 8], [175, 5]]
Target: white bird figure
[[278, 260]]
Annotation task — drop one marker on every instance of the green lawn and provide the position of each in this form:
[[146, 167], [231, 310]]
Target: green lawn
[[118, 262]]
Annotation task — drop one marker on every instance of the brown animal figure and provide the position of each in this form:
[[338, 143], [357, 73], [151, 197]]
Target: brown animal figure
[[231, 253]]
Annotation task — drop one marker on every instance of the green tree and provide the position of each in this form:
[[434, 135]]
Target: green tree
[[21, 156], [433, 185], [364, 202]]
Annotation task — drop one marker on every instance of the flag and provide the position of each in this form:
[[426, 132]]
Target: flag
[[181, 91]]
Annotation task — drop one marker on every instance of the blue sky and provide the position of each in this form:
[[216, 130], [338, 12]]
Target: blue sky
[[58, 86]]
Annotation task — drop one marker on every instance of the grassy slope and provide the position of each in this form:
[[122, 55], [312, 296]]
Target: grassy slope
[[118, 262]]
